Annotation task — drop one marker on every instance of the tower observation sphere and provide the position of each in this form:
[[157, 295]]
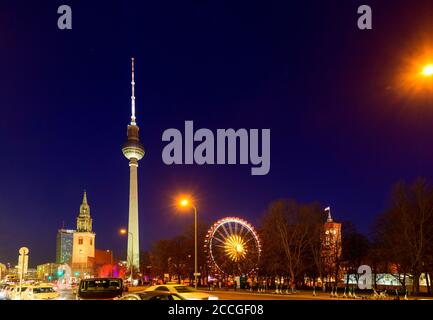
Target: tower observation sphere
[[133, 149]]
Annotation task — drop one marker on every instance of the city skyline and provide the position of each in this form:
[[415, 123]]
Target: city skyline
[[340, 133]]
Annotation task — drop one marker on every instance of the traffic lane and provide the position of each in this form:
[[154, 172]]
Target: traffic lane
[[67, 294]]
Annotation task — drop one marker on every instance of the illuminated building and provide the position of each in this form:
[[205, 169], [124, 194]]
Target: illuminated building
[[104, 263], [64, 241], [103, 257], [331, 245], [46, 271], [2, 270], [133, 150], [83, 248]]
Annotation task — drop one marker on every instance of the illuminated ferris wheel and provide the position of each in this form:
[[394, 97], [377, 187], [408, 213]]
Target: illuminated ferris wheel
[[232, 246]]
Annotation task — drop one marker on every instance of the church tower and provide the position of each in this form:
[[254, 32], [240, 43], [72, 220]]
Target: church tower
[[331, 246], [83, 247]]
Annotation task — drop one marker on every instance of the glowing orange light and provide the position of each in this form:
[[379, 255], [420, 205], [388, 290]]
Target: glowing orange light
[[123, 231], [414, 72], [427, 71], [184, 202]]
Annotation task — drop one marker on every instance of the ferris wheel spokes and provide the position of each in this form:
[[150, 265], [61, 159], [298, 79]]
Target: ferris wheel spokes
[[233, 246]]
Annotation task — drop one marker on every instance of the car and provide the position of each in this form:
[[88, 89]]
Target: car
[[152, 295], [10, 292], [41, 292], [18, 292], [186, 292], [100, 289], [3, 291]]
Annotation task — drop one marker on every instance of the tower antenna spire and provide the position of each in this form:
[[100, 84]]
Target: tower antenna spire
[[133, 95]]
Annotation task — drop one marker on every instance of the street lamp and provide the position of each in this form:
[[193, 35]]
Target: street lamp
[[184, 202], [427, 70], [131, 263], [414, 76]]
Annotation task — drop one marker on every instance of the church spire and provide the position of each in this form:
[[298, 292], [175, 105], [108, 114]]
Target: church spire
[[133, 123], [84, 197], [84, 221]]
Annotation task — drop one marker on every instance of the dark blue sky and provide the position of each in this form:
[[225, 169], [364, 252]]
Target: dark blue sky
[[342, 130]]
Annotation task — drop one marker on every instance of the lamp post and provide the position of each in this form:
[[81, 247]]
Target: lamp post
[[184, 203], [131, 264]]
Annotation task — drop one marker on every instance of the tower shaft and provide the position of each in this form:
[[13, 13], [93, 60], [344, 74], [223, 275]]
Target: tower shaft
[[133, 233]]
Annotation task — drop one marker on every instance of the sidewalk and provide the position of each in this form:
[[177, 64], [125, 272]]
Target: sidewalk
[[309, 294], [320, 295]]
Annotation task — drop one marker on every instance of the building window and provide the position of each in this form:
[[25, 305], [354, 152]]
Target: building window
[[91, 242], [80, 240]]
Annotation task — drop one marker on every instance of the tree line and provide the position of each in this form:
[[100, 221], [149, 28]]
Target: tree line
[[400, 242]]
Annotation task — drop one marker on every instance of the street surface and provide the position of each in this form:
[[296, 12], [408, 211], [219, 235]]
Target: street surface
[[232, 295], [222, 294], [235, 295]]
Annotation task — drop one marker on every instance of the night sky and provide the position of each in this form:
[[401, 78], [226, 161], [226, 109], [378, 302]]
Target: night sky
[[343, 127]]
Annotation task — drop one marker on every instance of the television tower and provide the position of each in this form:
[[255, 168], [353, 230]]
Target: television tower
[[133, 150]]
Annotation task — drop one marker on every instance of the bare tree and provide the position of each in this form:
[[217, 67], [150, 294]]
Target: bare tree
[[272, 259], [406, 229], [289, 222], [315, 241], [355, 247]]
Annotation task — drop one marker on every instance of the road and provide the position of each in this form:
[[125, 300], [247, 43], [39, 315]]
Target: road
[[234, 295], [244, 295], [67, 294]]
